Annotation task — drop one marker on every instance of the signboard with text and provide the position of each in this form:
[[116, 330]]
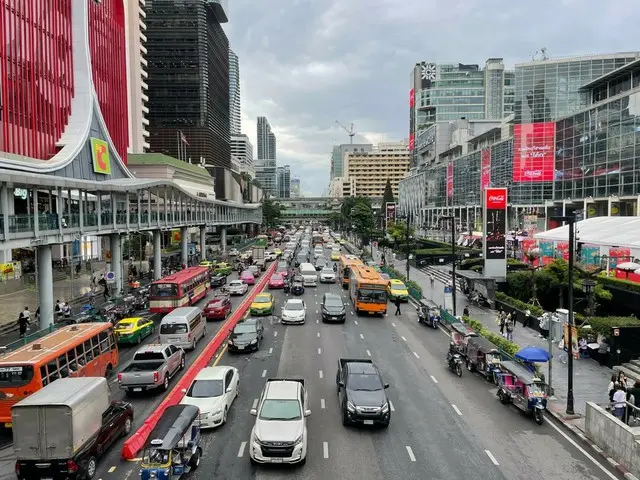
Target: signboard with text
[[391, 212], [494, 232], [534, 147]]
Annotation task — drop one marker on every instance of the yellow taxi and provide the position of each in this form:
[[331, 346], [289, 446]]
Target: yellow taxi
[[134, 330], [223, 269], [335, 256], [342, 242], [208, 264], [277, 251], [397, 289], [262, 304]]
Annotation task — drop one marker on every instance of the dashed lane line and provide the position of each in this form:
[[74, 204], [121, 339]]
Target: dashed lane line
[[318, 334], [319, 351], [275, 334], [325, 449], [368, 353], [322, 405], [362, 336], [271, 350], [403, 339], [393, 409], [416, 355], [412, 457], [393, 325], [243, 445], [264, 373], [111, 470], [320, 374], [355, 321], [491, 457], [456, 409], [434, 379]]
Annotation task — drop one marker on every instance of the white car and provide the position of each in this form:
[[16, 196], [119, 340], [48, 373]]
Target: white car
[[280, 432], [294, 311], [213, 391], [327, 275], [234, 252], [237, 287], [317, 251]]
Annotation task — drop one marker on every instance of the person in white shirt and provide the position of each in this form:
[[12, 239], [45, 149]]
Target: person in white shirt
[[619, 399]]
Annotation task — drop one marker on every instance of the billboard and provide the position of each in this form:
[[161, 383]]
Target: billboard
[[534, 152], [100, 156], [391, 212], [412, 142], [485, 169], [412, 98], [495, 223], [450, 180]]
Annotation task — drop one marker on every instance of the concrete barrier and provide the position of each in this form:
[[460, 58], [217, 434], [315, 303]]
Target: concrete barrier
[[620, 441]]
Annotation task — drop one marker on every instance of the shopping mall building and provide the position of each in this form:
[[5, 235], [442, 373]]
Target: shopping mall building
[[570, 145]]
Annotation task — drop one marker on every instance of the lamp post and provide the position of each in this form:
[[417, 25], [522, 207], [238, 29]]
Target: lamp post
[[570, 220], [533, 256], [453, 253], [587, 287]]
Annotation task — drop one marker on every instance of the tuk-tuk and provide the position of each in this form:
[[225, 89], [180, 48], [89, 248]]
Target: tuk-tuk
[[518, 385], [173, 448], [141, 296], [460, 335], [125, 306], [428, 313], [483, 357]]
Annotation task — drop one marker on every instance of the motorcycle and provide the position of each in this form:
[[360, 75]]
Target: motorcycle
[[454, 362], [286, 287]]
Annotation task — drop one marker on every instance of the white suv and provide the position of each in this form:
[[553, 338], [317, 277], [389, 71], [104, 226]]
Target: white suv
[[294, 311], [280, 432]]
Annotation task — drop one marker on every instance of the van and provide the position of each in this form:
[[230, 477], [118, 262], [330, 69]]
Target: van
[[183, 327], [309, 275]]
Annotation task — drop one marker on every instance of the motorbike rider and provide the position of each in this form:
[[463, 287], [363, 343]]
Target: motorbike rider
[[452, 351], [335, 267]]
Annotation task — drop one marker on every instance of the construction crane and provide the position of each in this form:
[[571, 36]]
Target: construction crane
[[349, 131]]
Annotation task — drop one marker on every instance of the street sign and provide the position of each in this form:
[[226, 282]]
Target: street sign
[[616, 332], [110, 277]]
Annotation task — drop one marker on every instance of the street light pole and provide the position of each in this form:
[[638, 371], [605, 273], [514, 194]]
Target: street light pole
[[406, 239], [453, 254]]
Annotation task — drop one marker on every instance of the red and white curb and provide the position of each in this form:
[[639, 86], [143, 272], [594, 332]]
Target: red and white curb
[[580, 434]]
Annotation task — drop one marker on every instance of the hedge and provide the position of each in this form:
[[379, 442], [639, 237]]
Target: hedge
[[519, 304], [604, 325], [619, 283]]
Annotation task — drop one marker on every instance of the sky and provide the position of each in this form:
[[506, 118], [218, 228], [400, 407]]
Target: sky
[[306, 63]]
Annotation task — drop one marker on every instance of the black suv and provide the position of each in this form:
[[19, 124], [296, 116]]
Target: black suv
[[333, 308]]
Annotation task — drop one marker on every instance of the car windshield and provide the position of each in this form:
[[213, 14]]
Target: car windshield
[[327, 270], [364, 383], [280, 410], [154, 456], [333, 303], [248, 328], [372, 296], [235, 283], [276, 278], [173, 328], [294, 306], [262, 299], [206, 389]]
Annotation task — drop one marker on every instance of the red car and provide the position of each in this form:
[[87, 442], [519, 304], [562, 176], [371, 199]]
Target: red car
[[218, 308], [276, 281]]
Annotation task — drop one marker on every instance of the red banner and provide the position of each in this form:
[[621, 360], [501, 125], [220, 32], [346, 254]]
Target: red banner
[[528, 244], [450, 180], [412, 98], [485, 169], [412, 141], [534, 152]]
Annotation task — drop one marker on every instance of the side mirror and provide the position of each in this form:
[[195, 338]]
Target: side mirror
[[307, 413], [253, 412], [229, 389], [386, 385], [184, 390], [341, 384]]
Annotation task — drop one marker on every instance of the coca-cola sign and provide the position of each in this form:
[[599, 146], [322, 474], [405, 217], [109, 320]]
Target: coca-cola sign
[[496, 198], [495, 223], [534, 152]]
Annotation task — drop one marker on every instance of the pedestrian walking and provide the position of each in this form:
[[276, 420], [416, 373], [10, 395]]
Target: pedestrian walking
[[501, 321], [465, 312], [398, 302], [24, 321], [509, 327], [527, 318], [619, 399], [94, 281]]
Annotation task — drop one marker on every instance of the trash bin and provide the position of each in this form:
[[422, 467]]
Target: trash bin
[[555, 329]]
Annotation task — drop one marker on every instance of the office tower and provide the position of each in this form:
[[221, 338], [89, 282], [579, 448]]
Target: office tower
[[337, 156], [295, 188], [266, 139], [242, 150], [234, 94], [272, 145], [283, 181], [266, 175]]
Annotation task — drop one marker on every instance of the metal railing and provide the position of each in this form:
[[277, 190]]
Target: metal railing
[[630, 415], [29, 338]]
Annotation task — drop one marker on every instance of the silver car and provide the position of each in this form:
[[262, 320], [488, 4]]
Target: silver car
[[294, 311], [327, 275]]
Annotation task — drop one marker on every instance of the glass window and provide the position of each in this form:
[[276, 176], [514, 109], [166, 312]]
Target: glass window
[[280, 410], [16, 375], [88, 350], [104, 341], [95, 342], [366, 383]]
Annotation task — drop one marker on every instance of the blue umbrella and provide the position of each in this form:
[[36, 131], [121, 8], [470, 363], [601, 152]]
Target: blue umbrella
[[533, 355]]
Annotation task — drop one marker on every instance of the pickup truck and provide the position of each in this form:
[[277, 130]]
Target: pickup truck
[[152, 367], [361, 393]]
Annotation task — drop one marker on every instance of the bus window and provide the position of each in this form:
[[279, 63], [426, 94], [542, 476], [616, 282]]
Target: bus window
[[104, 341], [63, 366], [80, 355], [17, 376], [95, 346], [87, 350], [52, 371], [112, 341]]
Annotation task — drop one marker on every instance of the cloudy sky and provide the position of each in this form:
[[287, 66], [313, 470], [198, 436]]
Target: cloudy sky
[[306, 63]]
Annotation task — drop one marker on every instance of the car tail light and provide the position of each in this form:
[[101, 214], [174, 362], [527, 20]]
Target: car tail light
[[18, 469], [120, 378], [155, 377], [72, 467]]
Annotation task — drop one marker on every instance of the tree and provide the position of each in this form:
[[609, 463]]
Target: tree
[[135, 245], [271, 212], [387, 197], [398, 230], [336, 220], [362, 219]]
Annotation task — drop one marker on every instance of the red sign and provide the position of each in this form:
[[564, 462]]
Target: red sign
[[391, 212], [450, 180], [485, 169], [534, 152], [412, 141], [412, 98], [496, 198]]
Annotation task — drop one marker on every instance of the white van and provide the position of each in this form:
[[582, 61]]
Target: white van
[[309, 275], [183, 327]]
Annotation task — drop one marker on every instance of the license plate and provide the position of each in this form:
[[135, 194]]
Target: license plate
[[137, 389], [334, 318], [240, 348], [48, 478], [276, 460], [368, 422]]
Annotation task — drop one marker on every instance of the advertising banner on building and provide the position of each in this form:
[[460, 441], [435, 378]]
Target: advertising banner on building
[[391, 212], [495, 223], [534, 152], [590, 255], [412, 141], [450, 180], [618, 255], [485, 169], [412, 98]]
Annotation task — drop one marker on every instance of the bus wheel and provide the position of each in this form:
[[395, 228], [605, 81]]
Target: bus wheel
[[108, 371]]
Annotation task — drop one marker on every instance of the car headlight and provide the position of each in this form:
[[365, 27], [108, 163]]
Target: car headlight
[[385, 407], [253, 342], [230, 342], [217, 412], [298, 440], [351, 407]]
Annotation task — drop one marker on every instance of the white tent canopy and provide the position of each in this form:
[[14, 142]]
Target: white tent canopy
[[604, 231]]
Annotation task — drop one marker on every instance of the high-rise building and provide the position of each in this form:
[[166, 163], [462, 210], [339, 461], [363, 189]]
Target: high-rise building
[[263, 134], [295, 187], [234, 94], [283, 181], [337, 156], [242, 150], [266, 175], [272, 145], [188, 64], [137, 77]]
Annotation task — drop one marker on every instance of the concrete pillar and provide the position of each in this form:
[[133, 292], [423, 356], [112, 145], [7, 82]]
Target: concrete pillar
[[45, 285], [203, 243], [184, 247], [157, 255], [116, 262], [223, 239]]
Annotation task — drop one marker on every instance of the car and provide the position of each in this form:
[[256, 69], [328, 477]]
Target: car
[[223, 269], [276, 281], [333, 308], [396, 289], [218, 308], [294, 312], [317, 251], [321, 262], [282, 269], [234, 252], [385, 276], [277, 251], [255, 270], [262, 304], [218, 280], [335, 256], [361, 393], [280, 432], [213, 391], [327, 275], [297, 285], [133, 330], [270, 256], [238, 287], [374, 266], [245, 255], [246, 336], [208, 264], [247, 277], [342, 242]]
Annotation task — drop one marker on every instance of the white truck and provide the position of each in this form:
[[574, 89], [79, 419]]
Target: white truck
[[258, 254]]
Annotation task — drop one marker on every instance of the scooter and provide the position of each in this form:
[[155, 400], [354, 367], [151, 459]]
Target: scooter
[[286, 287], [454, 362]]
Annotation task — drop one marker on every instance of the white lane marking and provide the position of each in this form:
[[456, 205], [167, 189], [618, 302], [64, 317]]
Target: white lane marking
[[393, 409], [362, 336], [316, 312], [325, 449], [320, 374], [317, 320], [355, 321], [393, 325], [319, 351], [255, 403], [241, 449], [491, 457], [412, 457], [318, 334], [271, 350], [415, 355], [322, 403], [275, 334], [352, 312], [404, 339], [580, 449], [434, 379], [112, 469], [457, 410], [264, 373], [368, 353]]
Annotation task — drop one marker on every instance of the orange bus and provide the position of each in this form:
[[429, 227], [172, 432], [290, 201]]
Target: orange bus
[[82, 350], [179, 290], [344, 272], [368, 290]]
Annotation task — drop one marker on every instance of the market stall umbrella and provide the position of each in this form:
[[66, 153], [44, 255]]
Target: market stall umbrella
[[533, 355], [628, 266]]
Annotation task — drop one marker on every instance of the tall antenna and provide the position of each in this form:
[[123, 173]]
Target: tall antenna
[[349, 131]]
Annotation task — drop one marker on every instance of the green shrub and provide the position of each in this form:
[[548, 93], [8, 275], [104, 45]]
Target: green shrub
[[477, 268], [469, 263], [618, 283], [499, 341], [604, 325], [518, 304]]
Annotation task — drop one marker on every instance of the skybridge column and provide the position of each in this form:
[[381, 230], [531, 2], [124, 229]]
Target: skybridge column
[[223, 239], [183, 243], [116, 262], [157, 255], [45, 285], [203, 243]]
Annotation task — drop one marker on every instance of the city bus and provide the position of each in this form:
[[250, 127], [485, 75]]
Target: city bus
[[181, 289], [346, 261], [82, 350], [368, 290]]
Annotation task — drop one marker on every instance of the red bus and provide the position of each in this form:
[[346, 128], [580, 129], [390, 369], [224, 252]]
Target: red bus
[[179, 290]]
